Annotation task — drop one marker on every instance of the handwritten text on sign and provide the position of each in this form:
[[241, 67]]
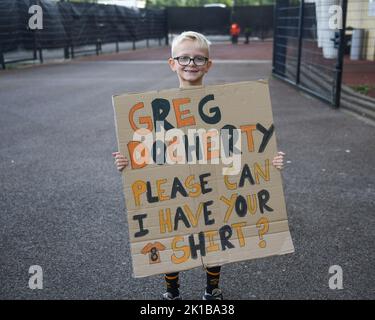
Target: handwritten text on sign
[[200, 187]]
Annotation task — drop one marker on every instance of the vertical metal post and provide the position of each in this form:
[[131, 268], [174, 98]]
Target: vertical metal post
[[275, 6], [40, 55], [35, 56], [98, 47], [37, 43], [66, 48], [66, 52], [166, 26], [148, 28], [340, 58], [232, 12], [2, 61], [117, 47], [300, 38]]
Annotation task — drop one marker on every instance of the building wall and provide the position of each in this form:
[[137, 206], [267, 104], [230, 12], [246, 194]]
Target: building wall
[[359, 17]]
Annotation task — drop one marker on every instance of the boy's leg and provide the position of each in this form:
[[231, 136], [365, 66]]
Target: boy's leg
[[213, 278], [171, 281], [212, 290]]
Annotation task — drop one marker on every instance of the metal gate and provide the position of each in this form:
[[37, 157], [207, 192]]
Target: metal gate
[[309, 43], [217, 20]]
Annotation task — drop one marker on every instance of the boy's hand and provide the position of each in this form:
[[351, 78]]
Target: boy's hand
[[278, 161], [120, 161]]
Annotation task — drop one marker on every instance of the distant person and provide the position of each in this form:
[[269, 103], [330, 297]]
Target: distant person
[[191, 61], [235, 32]]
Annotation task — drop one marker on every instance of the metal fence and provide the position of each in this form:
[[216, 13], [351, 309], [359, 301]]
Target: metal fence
[[205, 20], [308, 52], [69, 25], [217, 20]]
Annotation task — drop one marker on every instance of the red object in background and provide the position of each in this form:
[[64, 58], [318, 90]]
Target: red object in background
[[235, 29]]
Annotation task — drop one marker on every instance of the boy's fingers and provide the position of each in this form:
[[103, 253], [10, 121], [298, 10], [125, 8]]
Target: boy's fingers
[[121, 164], [119, 156], [280, 152]]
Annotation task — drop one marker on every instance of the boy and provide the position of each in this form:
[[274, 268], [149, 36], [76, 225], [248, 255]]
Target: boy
[[190, 60]]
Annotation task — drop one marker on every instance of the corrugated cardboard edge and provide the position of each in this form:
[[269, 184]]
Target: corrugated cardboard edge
[[161, 91]]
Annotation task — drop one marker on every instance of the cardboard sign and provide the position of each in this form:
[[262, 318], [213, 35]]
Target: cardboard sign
[[200, 188]]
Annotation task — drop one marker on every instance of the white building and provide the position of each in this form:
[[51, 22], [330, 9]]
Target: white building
[[126, 3]]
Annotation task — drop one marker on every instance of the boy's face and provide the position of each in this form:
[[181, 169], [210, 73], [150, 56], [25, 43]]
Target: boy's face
[[190, 75]]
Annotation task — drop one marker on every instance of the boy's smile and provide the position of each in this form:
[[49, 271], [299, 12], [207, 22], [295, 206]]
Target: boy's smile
[[191, 74]]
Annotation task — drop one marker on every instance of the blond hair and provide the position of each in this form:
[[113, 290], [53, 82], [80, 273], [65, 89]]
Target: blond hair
[[201, 40]]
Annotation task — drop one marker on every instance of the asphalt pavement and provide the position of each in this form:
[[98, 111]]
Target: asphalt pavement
[[62, 206]]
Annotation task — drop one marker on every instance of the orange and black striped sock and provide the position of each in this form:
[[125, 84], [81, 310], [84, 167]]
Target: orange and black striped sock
[[213, 277], [171, 280]]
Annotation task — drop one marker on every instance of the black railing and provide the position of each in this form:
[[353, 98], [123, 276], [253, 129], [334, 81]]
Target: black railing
[[217, 20], [68, 25], [307, 52]]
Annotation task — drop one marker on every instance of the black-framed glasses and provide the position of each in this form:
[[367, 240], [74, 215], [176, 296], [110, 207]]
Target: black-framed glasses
[[185, 60]]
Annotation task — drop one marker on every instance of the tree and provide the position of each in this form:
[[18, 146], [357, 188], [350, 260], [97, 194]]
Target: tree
[[164, 3], [254, 2]]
